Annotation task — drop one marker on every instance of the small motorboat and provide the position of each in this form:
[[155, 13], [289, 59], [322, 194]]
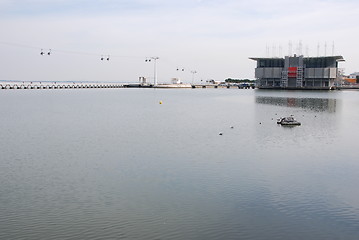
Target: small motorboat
[[288, 121]]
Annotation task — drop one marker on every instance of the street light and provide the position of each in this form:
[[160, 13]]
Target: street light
[[155, 67], [193, 73]]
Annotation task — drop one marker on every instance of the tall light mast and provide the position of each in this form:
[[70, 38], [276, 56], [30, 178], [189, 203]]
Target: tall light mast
[[155, 68], [193, 73]]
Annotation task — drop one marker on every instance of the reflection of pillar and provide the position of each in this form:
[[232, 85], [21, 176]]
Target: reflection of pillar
[[332, 105]]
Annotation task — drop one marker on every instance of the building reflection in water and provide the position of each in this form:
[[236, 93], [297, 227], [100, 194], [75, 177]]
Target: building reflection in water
[[313, 104]]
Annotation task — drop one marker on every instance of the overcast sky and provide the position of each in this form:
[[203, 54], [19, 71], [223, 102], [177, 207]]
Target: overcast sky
[[213, 37]]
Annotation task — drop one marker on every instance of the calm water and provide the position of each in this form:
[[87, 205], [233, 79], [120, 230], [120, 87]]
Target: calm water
[[116, 164]]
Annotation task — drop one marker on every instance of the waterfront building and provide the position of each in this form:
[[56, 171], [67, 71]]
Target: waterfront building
[[297, 72], [354, 75], [352, 78]]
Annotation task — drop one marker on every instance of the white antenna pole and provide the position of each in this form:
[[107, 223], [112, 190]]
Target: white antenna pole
[[273, 50], [307, 51], [325, 49], [300, 50]]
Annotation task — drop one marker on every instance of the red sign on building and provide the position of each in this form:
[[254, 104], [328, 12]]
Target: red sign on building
[[292, 72]]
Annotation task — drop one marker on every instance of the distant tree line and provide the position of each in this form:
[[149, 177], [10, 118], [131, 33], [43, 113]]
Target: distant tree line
[[231, 80]]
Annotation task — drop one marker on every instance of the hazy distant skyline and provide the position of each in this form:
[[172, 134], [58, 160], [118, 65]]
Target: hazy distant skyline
[[213, 37]]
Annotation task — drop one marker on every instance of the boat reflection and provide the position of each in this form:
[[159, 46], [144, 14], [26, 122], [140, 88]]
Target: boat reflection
[[313, 104]]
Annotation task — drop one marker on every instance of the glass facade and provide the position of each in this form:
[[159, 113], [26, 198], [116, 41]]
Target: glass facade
[[320, 62], [271, 62]]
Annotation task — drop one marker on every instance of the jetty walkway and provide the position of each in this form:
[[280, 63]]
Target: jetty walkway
[[74, 85], [39, 85]]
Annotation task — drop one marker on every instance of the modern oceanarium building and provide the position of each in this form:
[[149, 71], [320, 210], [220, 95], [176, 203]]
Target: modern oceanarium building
[[297, 72]]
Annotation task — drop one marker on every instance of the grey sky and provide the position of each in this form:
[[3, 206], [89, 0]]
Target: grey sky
[[213, 37]]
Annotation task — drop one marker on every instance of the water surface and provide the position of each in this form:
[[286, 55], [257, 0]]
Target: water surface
[[116, 164]]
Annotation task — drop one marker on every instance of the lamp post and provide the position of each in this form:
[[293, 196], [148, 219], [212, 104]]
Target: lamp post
[[182, 70], [155, 68], [193, 73]]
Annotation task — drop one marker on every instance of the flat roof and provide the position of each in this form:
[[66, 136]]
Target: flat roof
[[338, 58]]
